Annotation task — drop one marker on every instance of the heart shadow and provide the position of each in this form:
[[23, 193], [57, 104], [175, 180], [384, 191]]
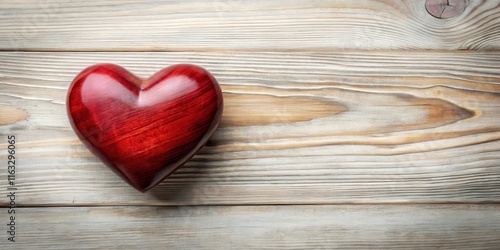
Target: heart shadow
[[180, 186], [185, 185]]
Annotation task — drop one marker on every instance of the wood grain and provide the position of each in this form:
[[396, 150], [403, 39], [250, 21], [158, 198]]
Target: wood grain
[[377, 127], [11, 115], [360, 109], [243, 25], [263, 227]]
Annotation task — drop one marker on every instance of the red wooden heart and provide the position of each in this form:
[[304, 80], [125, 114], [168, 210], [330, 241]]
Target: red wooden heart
[[144, 129]]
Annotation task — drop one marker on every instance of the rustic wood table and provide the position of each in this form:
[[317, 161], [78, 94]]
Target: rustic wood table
[[347, 124]]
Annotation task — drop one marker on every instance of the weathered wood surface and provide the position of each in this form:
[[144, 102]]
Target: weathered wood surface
[[327, 103], [262, 227], [302, 128], [196, 25]]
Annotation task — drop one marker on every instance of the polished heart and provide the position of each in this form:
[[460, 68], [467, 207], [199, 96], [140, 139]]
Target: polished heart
[[144, 129]]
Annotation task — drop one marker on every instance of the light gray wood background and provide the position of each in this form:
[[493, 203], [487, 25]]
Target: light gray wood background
[[347, 124]]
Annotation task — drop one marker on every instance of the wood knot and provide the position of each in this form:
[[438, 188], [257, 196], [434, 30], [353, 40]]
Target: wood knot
[[444, 9]]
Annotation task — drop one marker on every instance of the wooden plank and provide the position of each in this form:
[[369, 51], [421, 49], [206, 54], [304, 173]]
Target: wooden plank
[[260, 227], [303, 128], [197, 25]]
